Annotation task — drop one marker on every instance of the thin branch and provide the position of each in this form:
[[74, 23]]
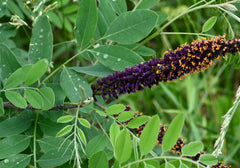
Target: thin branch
[[29, 107]]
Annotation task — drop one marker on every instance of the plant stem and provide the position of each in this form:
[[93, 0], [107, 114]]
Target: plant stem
[[35, 140], [75, 138]]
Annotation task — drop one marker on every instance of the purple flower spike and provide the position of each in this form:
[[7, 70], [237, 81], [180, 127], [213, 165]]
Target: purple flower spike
[[188, 59]]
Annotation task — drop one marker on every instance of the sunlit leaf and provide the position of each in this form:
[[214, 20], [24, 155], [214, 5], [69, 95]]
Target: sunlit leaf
[[209, 24], [138, 121], [65, 130], [84, 122], [115, 109], [48, 98], [97, 160], [16, 99], [192, 148], [36, 71], [149, 135], [18, 77], [82, 136], [114, 131], [34, 98], [171, 136], [123, 146], [208, 159], [65, 119]]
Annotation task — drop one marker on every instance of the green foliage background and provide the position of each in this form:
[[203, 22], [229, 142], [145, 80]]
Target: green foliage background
[[42, 138]]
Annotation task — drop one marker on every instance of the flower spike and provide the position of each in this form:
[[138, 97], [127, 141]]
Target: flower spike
[[187, 59]]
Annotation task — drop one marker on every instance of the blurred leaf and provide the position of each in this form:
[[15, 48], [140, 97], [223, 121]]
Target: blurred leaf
[[16, 99], [6, 30], [86, 22], [95, 70], [138, 121], [149, 135], [146, 4], [55, 157], [8, 62], [18, 77], [123, 146], [65, 119], [208, 159], [123, 29], [115, 109], [54, 18], [114, 131], [74, 85], [97, 160], [16, 161], [3, 7], [23, 8], [192, 148], [14, 125], [209, 24], [162, 17], [116, 57], [229, 7], [67, 129], [41, 45], [14, 9], [171, 136], [125, 116], [84, 122], [191, 94], [67, 25], [72, 8], [96, 144], [82, 136], [13, 145], [1, 107], [37, 70], [119, 6], [48, 98], [34, 98]]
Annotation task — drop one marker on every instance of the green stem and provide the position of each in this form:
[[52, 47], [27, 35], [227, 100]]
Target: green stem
[[3, 90], [35, 141], [187, 33], [75, 138]]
